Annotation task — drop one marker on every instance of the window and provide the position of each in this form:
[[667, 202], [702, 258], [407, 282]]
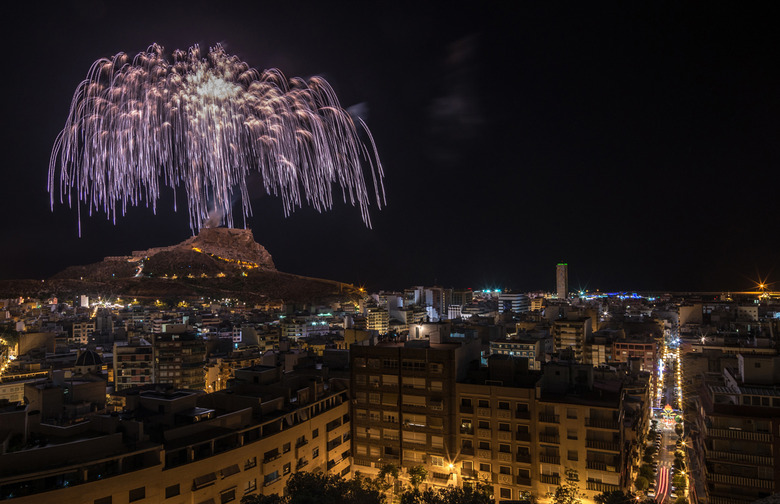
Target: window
[[437, 461], [506, 493], [484, 403], [484, 424], [389, 416], [390, 380], [250, 463], [573, 455], [227, 496], [503, 427], [414, 420], [390, 399], [571, 434], [285, 447], [484, 467], [250, 485], [373, 363], [504, 448], [172, 491], [359, 362], [504, 470], [435, 367], [484, 445], [414, 400], [390, 363], [315, 433], [286, 469], [137, 494], [571, 413], [465, 402], [271, 477], [503, 405], [103, 500], [315, 452], [437, 441]]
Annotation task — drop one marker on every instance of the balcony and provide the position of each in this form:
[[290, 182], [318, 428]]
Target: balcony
[[468, 473], [271, 481], [523, 436], [525, 458], [550, 479], [549, 438], [522, 480], [740, 434], [549, 459], [485, 412], [601, 487], [601, 466], [467, 450], [271, 458], [599, 423], [484, 433], [740, 481], [742, 458], [602, 445], [549, 418], [524, 415], [467, 430], [302, 442]]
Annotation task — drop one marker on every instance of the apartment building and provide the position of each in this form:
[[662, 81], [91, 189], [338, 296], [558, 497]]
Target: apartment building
[[404, 402], [734, 444], [183, 446]]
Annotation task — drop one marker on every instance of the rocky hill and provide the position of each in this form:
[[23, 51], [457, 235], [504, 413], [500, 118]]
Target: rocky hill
[[218, 262]]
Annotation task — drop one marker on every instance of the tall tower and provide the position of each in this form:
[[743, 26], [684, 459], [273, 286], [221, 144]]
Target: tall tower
[[562, 280]]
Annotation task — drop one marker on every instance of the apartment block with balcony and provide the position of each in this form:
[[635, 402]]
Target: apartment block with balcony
[[580, 426], [404, 403], [186, 446], [734, 442], [570, 336], [496, 434]]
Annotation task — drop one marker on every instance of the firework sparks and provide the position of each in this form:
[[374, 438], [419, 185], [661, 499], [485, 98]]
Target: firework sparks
[[205, 124]]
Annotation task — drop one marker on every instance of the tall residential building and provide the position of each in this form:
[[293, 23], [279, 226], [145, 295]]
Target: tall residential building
[[734, 450], [571, 335], [404, 403], [378, 320], [179, 360], [520, 431], [562, 280], [133, 364]]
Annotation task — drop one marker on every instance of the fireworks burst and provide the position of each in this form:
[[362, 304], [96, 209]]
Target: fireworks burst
[[206, 124]]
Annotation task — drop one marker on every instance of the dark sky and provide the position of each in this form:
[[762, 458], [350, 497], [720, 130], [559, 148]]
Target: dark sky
[[636, 141]]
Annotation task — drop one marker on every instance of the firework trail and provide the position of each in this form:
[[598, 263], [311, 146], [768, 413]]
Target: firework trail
[[205, 124]]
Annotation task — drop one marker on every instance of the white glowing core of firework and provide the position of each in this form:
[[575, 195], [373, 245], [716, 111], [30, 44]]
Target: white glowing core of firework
[[212, 86]]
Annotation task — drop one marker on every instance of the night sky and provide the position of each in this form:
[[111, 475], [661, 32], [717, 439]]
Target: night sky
[[636, 141]]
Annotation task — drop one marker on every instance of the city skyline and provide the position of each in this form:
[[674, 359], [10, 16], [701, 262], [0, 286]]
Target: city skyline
[[635, 143]]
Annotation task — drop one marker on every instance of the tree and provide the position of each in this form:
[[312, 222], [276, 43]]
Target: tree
[[417, 475], [641, 483], [311, 488], [646, 471], [475, 494], [569, 491], [681, 500], [615, 497]]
